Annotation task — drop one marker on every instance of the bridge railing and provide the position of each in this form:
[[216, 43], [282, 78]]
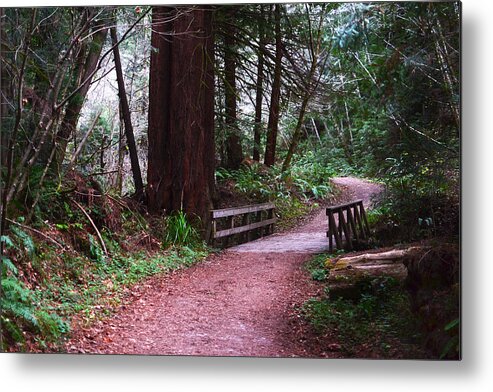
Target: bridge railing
[[348, 225], [252, 221]]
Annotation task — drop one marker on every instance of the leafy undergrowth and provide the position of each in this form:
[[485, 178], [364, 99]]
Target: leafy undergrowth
[[51, 287], [378, 323], [295, 193], [62, 268]]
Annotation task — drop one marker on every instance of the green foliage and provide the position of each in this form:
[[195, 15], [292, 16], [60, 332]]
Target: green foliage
[[62, 226], [95, 250], [94, 289], [417, 207], [381, 317], [7, 265], [51, 326], [352, 27], [453, 345], [16, 301], [399, 121], [179, 231], [290, 209], [18, 310], [307, 179], [26, 240], [317, 262], [319, 274], [7, 241], [292, 192]]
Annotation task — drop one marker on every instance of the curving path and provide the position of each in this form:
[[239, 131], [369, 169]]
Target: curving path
[[238, 303]]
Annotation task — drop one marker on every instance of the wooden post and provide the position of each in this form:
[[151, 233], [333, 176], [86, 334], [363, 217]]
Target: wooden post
[[231, 225], [263, 229], [347, 234], [246, 222], [339, 222], [352, 224], [351, 220], [337, 236], [258, 232], [364, 218], [329, 232], [214, 230], [270, 215], [359, 222]]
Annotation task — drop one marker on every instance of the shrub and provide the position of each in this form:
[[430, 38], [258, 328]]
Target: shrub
[[416, 208]]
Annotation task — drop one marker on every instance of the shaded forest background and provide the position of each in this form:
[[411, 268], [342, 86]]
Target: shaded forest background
[[123, 126]]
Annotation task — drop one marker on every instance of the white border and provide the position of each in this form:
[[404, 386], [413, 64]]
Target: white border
[[123, 373]]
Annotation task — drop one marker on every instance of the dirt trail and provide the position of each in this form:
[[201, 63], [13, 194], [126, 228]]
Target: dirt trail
[[238, 303]]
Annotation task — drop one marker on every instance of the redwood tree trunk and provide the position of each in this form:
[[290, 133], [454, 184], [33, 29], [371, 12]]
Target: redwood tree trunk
[[129, 132], [181, 137], [159, 102], [272, 127], [234, 152], [260, 88]]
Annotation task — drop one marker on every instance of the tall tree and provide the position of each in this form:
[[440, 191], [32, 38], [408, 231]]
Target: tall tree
[[259, 87], [316, 51], [234, 151], [86, 65], [273, 124], [159, 106], [124, 107], [181, 137]]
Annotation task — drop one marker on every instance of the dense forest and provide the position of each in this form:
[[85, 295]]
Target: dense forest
[[123, 127]]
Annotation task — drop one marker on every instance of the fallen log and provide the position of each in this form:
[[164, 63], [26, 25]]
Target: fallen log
[[387, 257]]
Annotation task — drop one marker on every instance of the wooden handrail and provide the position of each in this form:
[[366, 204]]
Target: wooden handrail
[[241, 210], [351, 225], [254, 222], [350, 204], [242, 229]]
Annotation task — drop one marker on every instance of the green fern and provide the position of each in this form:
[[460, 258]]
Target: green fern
[[95, 250], [16, 300], [14, 290], [51, 325], [19, 311], [7, 241], [26, 239], [10, 328], [7, 265]]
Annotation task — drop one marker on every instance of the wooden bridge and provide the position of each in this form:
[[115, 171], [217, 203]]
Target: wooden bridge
[[348, 225], [251, 222]]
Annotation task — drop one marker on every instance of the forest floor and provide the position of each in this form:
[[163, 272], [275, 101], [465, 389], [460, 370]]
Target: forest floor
[[239, 302]]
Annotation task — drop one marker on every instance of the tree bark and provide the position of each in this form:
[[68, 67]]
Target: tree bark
[[159, 107], [273, 124], [6, 95], [181, 163], [259, 88], [124, 107], [296, 134], [234, 151]]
